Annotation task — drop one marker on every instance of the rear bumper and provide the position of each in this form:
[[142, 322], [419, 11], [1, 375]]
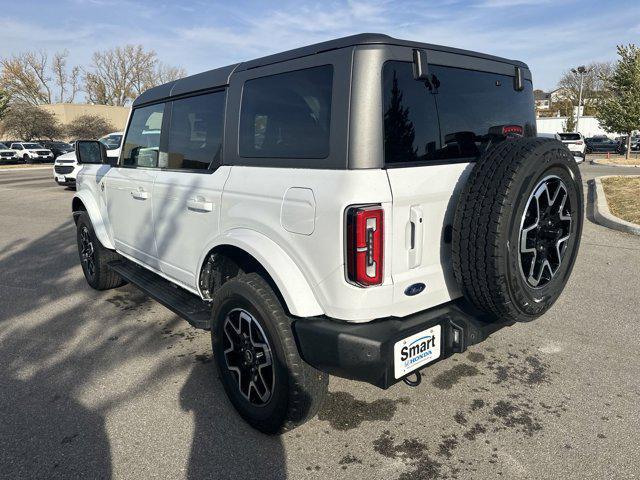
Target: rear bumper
[[364, 351]]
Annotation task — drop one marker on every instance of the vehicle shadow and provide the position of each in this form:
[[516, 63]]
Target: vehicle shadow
[[60, 340], [224, 446]]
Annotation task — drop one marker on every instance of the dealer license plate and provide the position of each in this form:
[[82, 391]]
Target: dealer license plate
[[416, 351]]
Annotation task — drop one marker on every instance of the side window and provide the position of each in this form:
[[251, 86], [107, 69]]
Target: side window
[[287, 115], [195, 135], [142, 143], [411, 130]]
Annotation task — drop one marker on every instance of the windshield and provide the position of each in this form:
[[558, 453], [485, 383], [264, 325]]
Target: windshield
[[61, 145], [111, 141], [570, 136], [3, 147], [31, 145]]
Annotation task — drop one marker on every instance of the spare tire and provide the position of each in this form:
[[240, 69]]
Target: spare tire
[[517, 228]]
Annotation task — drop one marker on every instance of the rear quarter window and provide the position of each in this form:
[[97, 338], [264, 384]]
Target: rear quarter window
[[287, 115], [455, 117]]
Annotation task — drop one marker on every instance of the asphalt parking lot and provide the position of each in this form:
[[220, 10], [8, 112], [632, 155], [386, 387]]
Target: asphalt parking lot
[[113, 385]]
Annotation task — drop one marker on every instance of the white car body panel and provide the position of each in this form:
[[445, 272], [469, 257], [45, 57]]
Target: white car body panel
[[299, 244], [425, 196], [99, 220], [186, 213], [129, 205]]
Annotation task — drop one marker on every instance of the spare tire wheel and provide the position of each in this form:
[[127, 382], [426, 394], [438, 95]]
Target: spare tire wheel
[[517, 228]]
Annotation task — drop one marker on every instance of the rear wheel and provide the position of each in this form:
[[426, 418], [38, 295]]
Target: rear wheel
[[267, 382], [94, 257], [517, 228]]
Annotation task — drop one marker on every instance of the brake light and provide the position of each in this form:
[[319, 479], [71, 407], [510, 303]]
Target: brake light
[[365, 227], [512, 130]]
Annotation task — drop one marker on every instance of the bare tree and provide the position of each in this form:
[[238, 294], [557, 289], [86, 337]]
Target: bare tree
[[88, 127], [593, 87], [30, 78], [29, 122], [67, 81], [119, 75], [4, 102]]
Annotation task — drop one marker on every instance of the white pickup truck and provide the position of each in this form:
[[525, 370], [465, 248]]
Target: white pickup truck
[[362, 207]]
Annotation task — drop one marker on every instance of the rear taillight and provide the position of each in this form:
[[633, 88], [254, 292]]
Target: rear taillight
[[579, 142], [365, 227]]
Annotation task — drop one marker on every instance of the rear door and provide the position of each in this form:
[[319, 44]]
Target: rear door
[[434, 132], [188, 189]]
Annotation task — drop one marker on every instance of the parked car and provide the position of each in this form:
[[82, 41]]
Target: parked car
[[66, 167], [603, 145], [32, 152], [58, 148], [7, 155], [572, 146], [574, 142], [323, 211]]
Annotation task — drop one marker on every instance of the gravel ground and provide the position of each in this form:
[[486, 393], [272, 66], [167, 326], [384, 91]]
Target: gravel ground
[[113, 385]]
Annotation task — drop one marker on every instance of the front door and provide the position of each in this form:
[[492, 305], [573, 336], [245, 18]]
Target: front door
[[129, 186]]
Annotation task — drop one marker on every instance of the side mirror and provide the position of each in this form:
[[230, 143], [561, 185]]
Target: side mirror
[[91, 152]]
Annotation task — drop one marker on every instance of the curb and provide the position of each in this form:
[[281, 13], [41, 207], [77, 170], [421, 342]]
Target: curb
[[596, 162], [603, 215]]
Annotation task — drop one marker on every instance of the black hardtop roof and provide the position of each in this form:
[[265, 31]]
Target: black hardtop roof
[[220, 76]]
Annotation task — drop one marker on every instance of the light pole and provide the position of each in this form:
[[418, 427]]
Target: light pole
[[581, 70]]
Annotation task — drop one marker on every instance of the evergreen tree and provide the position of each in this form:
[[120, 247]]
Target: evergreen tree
[[619, 110]]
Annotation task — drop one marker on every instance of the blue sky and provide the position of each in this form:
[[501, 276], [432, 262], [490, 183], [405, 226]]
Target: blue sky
[[551, 36]]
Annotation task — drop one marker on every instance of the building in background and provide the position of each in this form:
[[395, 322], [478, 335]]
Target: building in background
[[67, 112], [542, 99]]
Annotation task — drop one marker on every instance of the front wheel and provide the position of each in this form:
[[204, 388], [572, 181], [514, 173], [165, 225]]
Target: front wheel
[[94, 257], [267, 382]]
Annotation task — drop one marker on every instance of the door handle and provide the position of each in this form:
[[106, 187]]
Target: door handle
[[199, 204], [415, 236], [140, 194]]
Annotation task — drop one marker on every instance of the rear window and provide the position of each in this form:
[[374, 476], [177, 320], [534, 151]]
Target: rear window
[[457, 117], [569, 136], [287, 115]]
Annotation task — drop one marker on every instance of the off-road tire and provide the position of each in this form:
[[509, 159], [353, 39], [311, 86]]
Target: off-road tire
[[298, 389], [103, 277], [488, 220]]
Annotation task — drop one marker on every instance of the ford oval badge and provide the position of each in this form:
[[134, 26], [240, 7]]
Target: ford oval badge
[[414, 289]]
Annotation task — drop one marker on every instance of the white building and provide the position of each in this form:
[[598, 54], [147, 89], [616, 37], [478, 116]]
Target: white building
[[588, 127]]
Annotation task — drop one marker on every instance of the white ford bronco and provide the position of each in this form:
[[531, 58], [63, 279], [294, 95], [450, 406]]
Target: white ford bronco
[[362, 207]]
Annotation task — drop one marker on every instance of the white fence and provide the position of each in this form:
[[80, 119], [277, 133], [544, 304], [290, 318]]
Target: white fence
[[589, 126]]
